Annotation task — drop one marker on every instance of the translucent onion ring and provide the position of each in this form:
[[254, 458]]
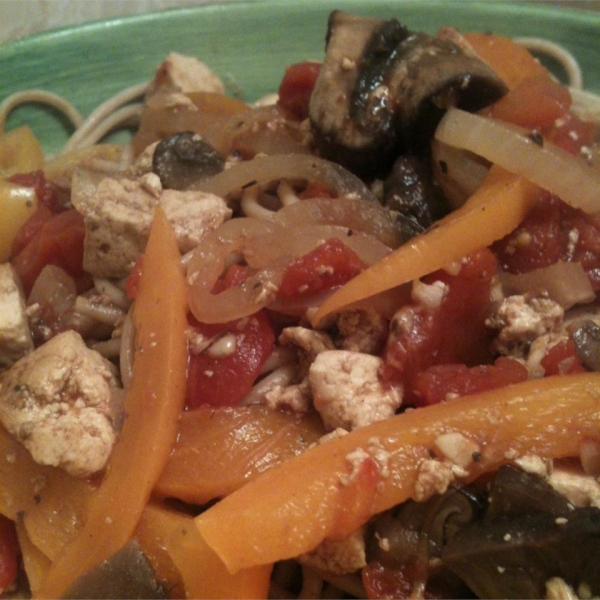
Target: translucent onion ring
[[207, 263], [568, 177], [350, 211], [565, 282], [265, 169], [457, 172], [268, 248]]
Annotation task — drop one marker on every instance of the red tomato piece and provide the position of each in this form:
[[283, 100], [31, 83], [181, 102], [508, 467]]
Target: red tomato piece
[[453, 332], [234, 277], [441, 382], [546, 236], [133, 279], [59, 241], [296, 87], [408, 581], [535, 104], [9, 554], [30, 229], [330, 264], [562, 359], [382, 582], [224, 372], [316, 189], [572, 134]]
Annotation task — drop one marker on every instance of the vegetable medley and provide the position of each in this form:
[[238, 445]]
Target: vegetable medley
[[342, 342]]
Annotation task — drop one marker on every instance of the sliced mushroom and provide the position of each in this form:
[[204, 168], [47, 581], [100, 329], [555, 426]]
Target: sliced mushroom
[[586, 337], [419, 530], [383, 88], [520, 542], [183, 158], [409, 192], [516, 492], [514, 557]]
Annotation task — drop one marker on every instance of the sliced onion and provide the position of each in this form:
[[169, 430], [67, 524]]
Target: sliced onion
[[565, 282], [550, 167], [265, 169], [291, 242], [351, 212], [264, 130], [53, 289], [207, 263], [457, 172], [268, 248]]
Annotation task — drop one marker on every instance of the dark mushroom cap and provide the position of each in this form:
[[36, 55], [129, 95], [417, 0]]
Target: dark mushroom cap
[[383, 89]]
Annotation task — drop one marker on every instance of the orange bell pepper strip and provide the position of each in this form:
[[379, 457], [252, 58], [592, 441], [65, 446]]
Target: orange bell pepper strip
[[511, 61], [330, 488], [493, 211], [200, 571], [153, 405], [220, 449]]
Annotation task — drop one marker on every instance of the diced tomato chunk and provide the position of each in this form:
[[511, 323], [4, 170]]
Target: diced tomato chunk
[[9, 554], [234, 277], [296, 87], [443, 382], [381, 582], [562, 359], [572, 134], [408, 580], [316, 189], [30, 229], [453, 332], [330, 264], [224, 372], [59, 241], [552, 231], [133, 279]]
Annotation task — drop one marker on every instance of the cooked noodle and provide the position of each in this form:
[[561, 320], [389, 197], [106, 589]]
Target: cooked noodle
[[558, 53]]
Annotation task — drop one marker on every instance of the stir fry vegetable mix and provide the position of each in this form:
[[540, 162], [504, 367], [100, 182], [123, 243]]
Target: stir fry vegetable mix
[[385, 310]]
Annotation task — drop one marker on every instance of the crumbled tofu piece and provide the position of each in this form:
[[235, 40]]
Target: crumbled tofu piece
[[187, 74], [296, 395], [338, 556], [296, 398], [558, 589], [58, 402], [429, 295], [309, 342], [457, 448], [15, 335], [361, 331], [347, 391], [434, 477], [579, 489], [119, 213], [538, 349], [536, 465], [142, 164], [521, 319]]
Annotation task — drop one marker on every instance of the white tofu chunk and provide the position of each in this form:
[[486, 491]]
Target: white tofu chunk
[[118, 215], [187, 74], [347, 391], [15, 336], [58, 402]]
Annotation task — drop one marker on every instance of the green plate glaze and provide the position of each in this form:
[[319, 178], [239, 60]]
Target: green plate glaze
[[248, 43]]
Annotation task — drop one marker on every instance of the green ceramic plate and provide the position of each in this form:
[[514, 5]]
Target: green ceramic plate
[[249, 44]]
